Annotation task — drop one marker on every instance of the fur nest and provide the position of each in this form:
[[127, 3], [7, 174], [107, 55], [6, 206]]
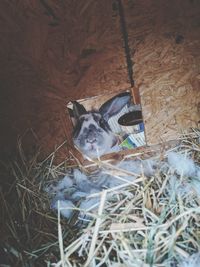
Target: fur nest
[[152, 221]]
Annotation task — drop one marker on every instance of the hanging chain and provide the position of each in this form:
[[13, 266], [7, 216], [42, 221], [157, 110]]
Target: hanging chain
[[126, 44]]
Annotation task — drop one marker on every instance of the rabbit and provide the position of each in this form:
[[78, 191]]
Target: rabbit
[[92, 134]]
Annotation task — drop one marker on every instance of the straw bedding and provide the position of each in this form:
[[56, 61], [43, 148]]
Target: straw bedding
[[151, 221]]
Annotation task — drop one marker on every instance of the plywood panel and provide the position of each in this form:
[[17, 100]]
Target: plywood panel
[[53, 52], [165, 45], [56, 51]]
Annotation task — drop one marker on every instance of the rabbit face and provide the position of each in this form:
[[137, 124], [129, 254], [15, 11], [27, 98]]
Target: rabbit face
[[92, 134]]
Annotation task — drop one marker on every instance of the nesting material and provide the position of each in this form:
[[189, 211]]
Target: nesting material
[[183, 165], [192, 261], [151, 220]]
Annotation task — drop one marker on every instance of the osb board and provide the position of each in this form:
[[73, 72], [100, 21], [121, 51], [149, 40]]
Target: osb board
[[165, 43], [79, 52], [53, 52]]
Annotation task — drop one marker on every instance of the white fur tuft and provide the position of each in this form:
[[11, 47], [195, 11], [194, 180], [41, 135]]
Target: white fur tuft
[[192, 261], [183, 166]]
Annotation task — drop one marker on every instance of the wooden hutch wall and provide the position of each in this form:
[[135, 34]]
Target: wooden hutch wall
[[164, 38], [53, 52], [56, 51]]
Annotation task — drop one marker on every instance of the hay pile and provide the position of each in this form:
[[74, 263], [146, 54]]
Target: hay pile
[[153, 221]]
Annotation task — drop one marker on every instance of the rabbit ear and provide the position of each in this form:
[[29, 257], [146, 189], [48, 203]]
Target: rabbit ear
[[78, 109], [71, 114], [114, 105]]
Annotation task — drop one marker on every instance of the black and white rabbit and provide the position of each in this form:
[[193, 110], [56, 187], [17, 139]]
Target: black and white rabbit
[[92, 134]]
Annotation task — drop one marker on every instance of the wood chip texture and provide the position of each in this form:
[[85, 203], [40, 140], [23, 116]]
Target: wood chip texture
[[56, 51]]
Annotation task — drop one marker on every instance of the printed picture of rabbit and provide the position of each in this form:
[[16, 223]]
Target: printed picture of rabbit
[[92, 134]]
